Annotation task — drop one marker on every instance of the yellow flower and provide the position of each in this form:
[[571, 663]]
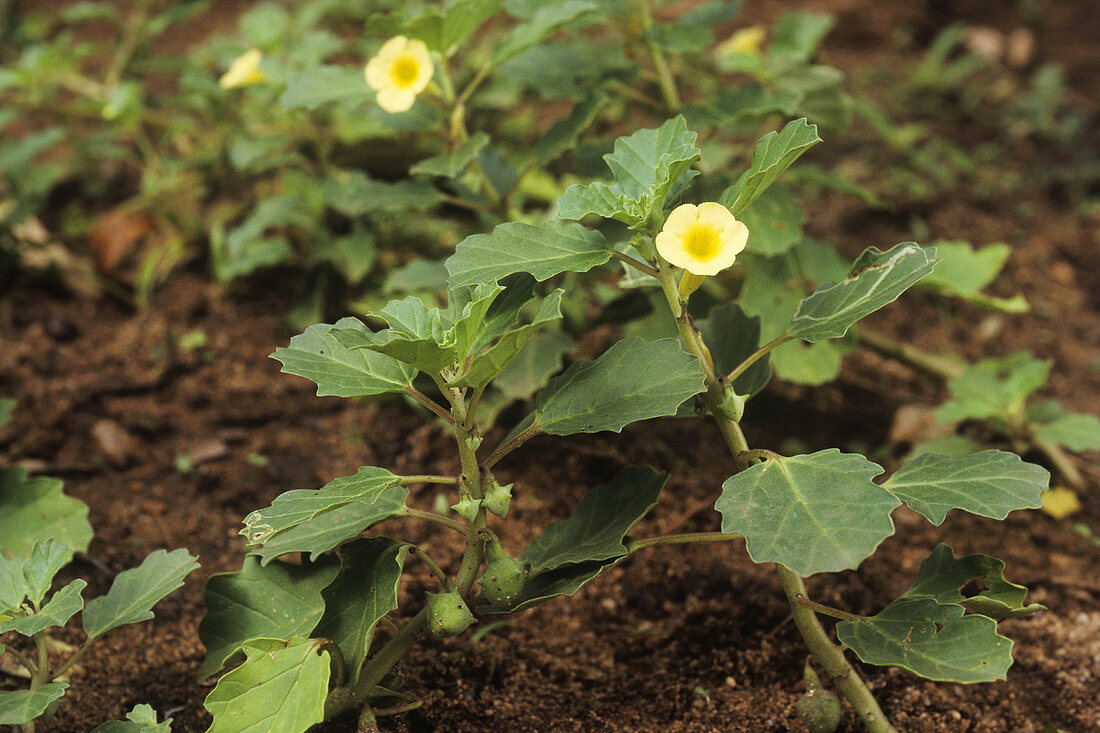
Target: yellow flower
[[244, 71], [745, 41], [401, 69], [703, 239]]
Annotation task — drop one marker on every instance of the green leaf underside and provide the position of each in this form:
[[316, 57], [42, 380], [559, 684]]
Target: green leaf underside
[[813, 513], [877, 279], [364, 591], [22, 706], [280, 688], [564, 581], [934, 641], [595, 530], [1074, 431], [633, 380], [543, 251], [36, 509], [134, 592], [774, 153], [277, 601], [645, 165], [942, 577], [993, 388], [319, 356], [142, 719], [61, 607], [991, 483], [370, 486]]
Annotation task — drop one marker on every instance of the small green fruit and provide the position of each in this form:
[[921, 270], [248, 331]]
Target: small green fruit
[[467, 508], [503, 578], [497, 498], [448, 614], [819, 708]]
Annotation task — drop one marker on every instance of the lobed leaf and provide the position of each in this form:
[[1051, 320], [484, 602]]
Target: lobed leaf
[[62, 606], [142, 719], [22, 706], [991, 483], [36, 509], [363, 592], [134, 592], [774, 153], [774, 221], [813, 513], [1075, 431], [545, 20], [993, 388], [281, 686], [318, 355], [542, 251], [633, 380], [276, 601], [595, 532], [450, 165], [877, 278]]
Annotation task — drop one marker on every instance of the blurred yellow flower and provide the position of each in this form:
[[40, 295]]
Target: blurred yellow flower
[[399, 71], [703, 239], [244, 71], [745, 41], [1060, 502]]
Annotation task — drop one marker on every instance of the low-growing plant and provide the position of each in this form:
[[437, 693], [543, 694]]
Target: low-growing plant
[[40, 529], [314, 622]]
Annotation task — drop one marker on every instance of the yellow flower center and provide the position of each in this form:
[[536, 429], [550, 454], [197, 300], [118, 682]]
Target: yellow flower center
[[405, 70], [703, 242]]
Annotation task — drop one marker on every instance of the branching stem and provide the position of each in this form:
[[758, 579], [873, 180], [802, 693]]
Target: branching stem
[[757, 355], [680, 539]]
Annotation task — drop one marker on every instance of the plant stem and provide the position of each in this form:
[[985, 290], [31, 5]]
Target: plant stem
[[73, 659], [432, 517], [664, 76], [426, 479], [828, 610], [830, 657], [679, 539], [635, 263], [427, 560], [502, 450], [429, 403], [757, 355], [22, 659], [933, 364]]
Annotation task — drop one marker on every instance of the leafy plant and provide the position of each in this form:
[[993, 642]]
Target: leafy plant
[[40, 530], [315, 621]]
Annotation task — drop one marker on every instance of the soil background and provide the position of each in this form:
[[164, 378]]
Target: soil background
[[690, 638]]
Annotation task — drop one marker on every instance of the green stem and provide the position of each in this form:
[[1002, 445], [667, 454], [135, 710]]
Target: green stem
[[73, 659], [502, 450], [757, 355], [433, 518], [686, 538], [429, 403], [635, 263], [933, 364], [830, 657], [41, 674], [426, 479], [828, 610], [427, 560], [664, 75]]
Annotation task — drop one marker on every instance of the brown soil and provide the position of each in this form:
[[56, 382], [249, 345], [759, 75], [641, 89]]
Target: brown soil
[[675, 639]]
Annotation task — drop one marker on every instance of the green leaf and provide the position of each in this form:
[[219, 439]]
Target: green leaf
[[934, 641], [324, 85], [596, 530], [363, 592], [877, 278], [279, 601], [564, 581], [775, 222], [461, 19], [543, 251], [134, 592], [36, 509], [798, 34], [354, 194], [374, 487], [740, 105], [529, 371], [318, 356], [731, 337], [450, 165], [47, 557], [991, 483], [964, 270], [633, 380], [280, 688], [13, 586], [22, 706], [547, 19], [61, 607], [645, 166], [814, 513], [328, 530], [489, 363], [7, 404], [774, 153], [563, 134], [942, 577], [1074, 431], [142, 719], [993, 388]]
